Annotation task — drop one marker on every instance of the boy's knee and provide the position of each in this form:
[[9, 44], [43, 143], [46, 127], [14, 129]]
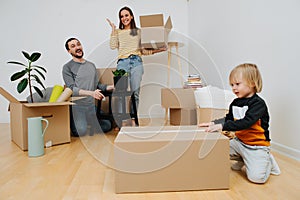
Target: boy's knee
[[257, 178]]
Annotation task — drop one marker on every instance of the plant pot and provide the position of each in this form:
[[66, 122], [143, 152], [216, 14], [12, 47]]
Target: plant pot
[[121, 83]]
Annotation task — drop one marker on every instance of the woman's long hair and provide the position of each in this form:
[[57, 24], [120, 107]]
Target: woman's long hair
[[133, 27]]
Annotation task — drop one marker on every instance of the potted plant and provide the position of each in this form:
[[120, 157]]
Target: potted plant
[[31, 73], [120, 79]]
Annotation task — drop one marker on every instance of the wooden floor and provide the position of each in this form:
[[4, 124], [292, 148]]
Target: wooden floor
[[81, 170]]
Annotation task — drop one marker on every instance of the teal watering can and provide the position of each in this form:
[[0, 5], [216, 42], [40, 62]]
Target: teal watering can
[[36, 136]]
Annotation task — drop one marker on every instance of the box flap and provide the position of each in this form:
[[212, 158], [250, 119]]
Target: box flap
[[152, 20], [8, 96], [163, 133], [169, 25], [40, 104]]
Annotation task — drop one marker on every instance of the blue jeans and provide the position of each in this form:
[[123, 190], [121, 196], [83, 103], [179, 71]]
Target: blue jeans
[[82, 116], [134, 66]]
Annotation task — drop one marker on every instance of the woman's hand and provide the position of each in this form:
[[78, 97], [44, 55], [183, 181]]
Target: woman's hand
[[161, 49], [113, 26]]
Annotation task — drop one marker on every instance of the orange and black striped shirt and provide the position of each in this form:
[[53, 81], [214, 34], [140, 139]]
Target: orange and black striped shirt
[[249, 118]]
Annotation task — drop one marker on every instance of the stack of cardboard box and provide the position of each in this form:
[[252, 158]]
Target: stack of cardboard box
[[182, 105]]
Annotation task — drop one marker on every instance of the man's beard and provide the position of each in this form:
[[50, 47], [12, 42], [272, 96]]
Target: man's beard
[[78, 56]]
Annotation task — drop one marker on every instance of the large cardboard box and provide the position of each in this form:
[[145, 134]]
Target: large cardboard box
[[154, 33], [170, 158], [177, 98], [105, 77], [58, 115], [183, 116], [208, 114]]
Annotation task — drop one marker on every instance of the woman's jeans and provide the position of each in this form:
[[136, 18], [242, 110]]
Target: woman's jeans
[[84, 115], [134, 66]]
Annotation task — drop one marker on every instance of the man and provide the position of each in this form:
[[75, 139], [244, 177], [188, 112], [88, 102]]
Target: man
[[81, 76]]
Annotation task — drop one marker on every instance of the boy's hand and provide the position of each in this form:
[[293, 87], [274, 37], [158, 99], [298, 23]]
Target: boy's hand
[[214, 127], [206, 124]]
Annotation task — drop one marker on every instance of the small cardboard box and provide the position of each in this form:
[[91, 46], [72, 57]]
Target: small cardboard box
[[170, 158], [58, 115], [154, 33], [208, 114], [177, 98], [183, 116]]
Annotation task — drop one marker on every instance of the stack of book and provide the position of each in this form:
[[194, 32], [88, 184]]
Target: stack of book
[[193, 81]]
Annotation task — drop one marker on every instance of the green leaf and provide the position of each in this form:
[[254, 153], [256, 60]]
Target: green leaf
[[22, 85], [18, 75], [35, 56], [38, 91], [26, 55], [42, 68], [119, 72], [38, 80], [16, 63], [40, 73]]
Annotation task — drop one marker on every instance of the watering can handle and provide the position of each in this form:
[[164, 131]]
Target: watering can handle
[[47, 123]]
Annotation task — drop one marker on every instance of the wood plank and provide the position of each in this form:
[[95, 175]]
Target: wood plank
[[82, 170]]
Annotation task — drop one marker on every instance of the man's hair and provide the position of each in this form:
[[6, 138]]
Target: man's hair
[[67, 42], [250, 74]]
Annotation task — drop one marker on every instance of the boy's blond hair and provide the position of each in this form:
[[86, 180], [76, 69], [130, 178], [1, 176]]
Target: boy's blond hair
[[250, 74]]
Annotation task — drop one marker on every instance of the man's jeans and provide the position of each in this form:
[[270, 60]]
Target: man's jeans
[[84, 115]]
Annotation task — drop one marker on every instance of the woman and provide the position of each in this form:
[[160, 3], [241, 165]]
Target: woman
[[127, 39]]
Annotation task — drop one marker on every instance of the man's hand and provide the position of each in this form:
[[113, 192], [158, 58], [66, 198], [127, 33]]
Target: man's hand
[[97, 94]]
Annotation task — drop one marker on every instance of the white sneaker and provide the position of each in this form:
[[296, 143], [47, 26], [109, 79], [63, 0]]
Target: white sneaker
[[275, 170], [237, 166]]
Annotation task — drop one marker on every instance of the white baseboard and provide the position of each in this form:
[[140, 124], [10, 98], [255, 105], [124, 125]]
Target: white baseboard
[[285, 150]]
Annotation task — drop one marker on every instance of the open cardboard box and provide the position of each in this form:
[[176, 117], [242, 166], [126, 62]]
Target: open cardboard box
[[183, 116], [154, 33], [178, 98], [182, 105], [209, 114], [58, 115], [170, 158]]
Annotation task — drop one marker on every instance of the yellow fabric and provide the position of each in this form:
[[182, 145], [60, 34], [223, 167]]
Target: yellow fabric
[[56, 92], [127, 44]]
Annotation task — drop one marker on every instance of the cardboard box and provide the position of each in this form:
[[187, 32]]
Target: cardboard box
[[105, 77], [183, 116], [170, 158], [177, 98], [208, 114], [58, 115], [154, 33]]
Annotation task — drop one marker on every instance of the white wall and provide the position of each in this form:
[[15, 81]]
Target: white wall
[[44, 26], [263, 32], [219, 34]]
